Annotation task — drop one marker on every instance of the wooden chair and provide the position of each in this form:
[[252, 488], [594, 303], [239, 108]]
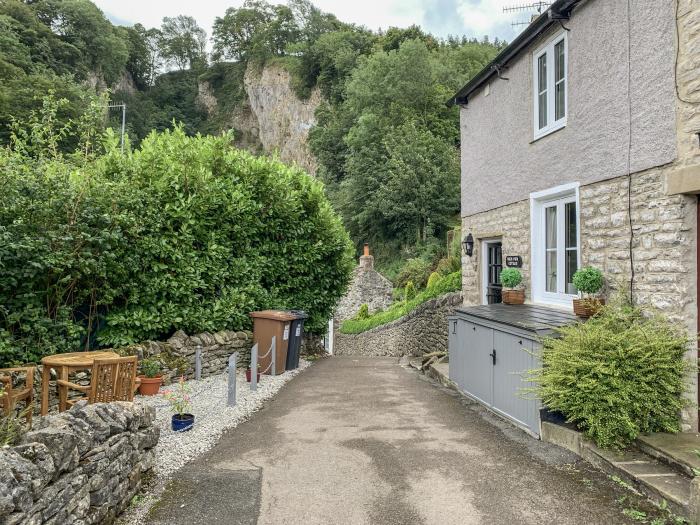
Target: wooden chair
[[12, 395], [111, 380]]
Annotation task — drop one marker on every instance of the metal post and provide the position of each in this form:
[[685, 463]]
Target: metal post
[[198, 363], [273, 349], [232, 379], [254, 368]]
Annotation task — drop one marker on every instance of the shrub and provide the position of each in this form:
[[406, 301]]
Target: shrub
[[511, 277], [150, 367], [184, 233], [363, 312], [615, 376], [449, 283], [448, 265], [433, 279], [416, 270], [409, 291], [588, 280]]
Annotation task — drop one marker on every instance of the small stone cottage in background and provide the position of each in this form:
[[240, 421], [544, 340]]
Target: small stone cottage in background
[[580, 146], [368, 286]]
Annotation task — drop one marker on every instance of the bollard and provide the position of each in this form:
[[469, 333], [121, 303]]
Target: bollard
[[273, 349], [232, 379], [198, 363], [254, 368]]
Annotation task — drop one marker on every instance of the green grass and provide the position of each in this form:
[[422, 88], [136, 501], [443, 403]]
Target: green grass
[[448, 283]]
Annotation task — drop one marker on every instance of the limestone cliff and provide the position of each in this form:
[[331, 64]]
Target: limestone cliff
[[272, 118]]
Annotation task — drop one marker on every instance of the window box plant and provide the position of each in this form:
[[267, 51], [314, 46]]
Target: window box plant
[[180, 402], [588, 281], [512, 293], [151, 377]]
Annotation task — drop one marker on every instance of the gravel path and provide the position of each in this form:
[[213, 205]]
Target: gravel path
[[212, 418]]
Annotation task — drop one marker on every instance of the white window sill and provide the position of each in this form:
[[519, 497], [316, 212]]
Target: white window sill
[[565, 303], [548, 131]]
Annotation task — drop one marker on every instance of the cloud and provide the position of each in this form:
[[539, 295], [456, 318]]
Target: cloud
[[472, 18]]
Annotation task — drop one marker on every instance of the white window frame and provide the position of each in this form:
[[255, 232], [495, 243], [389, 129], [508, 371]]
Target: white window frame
[[548, 48], [540, 200]]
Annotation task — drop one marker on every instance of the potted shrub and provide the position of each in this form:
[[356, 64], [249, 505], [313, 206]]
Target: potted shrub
[[511, 279], [150, 377], [248, 374], [588, 281], [179, 399]]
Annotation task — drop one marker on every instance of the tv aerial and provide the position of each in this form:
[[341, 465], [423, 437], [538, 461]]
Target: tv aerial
[[535, 8]]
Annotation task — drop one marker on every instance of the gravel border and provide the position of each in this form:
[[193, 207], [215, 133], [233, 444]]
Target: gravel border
[[212, 418]]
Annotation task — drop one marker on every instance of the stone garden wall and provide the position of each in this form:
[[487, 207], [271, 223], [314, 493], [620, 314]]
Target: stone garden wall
[[369, 287], [178, 355], [422, 331], [81, 466]]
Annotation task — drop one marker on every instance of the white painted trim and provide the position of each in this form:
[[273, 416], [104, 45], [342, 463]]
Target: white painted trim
[[548, 48], [538, 201], [484, 264]]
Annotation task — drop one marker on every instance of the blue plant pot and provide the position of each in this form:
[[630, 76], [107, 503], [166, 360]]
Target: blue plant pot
[[182, 423]]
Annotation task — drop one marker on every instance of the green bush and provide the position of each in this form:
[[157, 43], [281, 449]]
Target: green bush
[[150, 367], [433, 279], [448, 265], [184, 233], [588, 280], [511, 277], [617, 375], [449, 283], [416, 270], [363, 312], [409, 292]]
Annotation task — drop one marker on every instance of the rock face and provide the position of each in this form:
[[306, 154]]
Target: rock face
[[422, 331], [368, 287], [81, 466], [283, 119], [272, 119]]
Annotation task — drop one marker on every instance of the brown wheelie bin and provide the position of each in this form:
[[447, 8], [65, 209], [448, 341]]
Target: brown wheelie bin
[[266, 324]]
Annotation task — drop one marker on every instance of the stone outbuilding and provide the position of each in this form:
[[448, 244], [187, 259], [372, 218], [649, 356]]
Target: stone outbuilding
[[368, 287]]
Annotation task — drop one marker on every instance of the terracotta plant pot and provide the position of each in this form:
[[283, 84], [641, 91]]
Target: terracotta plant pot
[[248, 375], [149, 385], [513, 296], [588, 307]]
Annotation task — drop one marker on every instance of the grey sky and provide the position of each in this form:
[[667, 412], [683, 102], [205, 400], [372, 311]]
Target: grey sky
[[473, 18]]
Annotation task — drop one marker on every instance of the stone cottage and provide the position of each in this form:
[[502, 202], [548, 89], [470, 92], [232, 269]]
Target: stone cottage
[[368, 286], [581, 146]]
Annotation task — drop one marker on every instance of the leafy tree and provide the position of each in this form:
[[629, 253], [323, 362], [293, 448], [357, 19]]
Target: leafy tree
[[144, 61], [421, 191], [238, 33], [395, 36], [183, 42]]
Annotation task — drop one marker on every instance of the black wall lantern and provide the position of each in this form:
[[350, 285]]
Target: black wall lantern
[[468, 245]]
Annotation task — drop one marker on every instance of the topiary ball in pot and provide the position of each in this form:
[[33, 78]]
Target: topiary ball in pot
[[588, 281], [510, 279], [150, 378]]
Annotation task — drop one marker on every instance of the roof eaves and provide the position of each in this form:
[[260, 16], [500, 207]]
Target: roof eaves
[[558, 10]]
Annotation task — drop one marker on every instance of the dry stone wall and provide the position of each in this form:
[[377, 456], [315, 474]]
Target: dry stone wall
[[82, 466], [178, 355], [422, 331]]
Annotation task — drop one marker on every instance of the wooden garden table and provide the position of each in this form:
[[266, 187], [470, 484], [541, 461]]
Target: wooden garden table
[[64, 364]]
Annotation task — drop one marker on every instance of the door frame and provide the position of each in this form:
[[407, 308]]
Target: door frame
[[484, 265]]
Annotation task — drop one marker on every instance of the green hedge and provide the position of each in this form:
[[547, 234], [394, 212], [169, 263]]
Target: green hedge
[[617, 375], [449, 283], [184, 233]]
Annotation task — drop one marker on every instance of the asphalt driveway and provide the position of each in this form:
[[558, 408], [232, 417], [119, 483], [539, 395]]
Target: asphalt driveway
[[365, 441]]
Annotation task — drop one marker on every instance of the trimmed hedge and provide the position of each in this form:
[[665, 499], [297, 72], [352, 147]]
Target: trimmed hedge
[[617, 375], [184, 233], [446, 284]]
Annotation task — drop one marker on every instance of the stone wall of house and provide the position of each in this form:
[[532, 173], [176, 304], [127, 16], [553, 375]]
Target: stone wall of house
[[369, 287], [81, 466], [663, 245], [422, 331]]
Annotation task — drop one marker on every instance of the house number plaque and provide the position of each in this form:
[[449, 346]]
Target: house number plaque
[[514, 261]]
